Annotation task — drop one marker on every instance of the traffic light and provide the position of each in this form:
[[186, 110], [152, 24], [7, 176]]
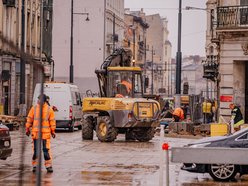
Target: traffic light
[[210, 68]]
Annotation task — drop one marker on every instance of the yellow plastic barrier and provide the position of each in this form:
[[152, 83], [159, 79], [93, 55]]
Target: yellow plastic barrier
[[218, 129]]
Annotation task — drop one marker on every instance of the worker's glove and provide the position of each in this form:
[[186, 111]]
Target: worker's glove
[[53, 134], [27, 131], [55, 109]]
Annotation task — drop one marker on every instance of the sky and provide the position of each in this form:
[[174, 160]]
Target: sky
[[193, 22]]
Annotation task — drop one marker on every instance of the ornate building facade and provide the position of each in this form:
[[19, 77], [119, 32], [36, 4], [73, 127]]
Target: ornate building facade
[[226, 47]]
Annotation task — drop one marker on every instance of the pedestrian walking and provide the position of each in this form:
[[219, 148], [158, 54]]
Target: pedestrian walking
[[48, 129]]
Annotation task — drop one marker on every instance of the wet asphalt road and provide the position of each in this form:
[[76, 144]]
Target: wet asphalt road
[[120, 163]]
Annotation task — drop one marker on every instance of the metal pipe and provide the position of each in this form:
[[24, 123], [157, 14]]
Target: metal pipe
[[113, 32], [22, 77], [152, 72], [39, 141], [133, 29]]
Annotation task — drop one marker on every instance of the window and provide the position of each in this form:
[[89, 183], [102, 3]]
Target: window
[[243, 12], [78, 98], [243, 2], [243, 137], [74, 100], [137, 83], [120, 77]]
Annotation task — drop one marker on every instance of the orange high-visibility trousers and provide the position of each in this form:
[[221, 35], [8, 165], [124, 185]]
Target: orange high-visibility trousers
[[46, 148]]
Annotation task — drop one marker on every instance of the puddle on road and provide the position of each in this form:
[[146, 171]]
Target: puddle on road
[[12, 178], [119, 174]]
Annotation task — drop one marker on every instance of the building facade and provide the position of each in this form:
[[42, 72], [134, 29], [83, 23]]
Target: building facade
[[192, 76], [159, 53], [135, 35], [94, 38], [227, 42], [22, 30]]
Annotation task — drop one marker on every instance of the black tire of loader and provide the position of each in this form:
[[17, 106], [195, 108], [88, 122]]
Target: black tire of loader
[[144, 134], [111, 132], [87, 129]]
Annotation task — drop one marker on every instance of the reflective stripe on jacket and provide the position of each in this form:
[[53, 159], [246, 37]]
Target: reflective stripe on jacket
[[48, 119]]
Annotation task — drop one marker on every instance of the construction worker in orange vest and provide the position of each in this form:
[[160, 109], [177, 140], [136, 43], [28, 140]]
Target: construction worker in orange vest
[[127, 82], [121, 91], [128, 85], [48, 130], [178, 114]]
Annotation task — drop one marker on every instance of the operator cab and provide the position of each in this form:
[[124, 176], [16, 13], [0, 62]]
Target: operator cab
[[124, 82]]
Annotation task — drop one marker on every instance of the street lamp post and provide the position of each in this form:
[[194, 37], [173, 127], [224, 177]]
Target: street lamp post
[[179, 58], [71, 47], [22, 66], [71, 52], [114, 32]]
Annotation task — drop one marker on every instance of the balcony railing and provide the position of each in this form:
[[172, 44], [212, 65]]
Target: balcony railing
[[232, 17]]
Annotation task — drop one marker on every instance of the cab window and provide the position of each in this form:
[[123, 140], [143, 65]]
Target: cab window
[[137, 83], [120, 83]]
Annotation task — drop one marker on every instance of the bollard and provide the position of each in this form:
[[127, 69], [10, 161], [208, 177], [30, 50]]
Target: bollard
[[165, 147], [161, 172]]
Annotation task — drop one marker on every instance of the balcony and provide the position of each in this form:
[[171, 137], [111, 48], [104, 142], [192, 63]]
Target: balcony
[[232, 18]]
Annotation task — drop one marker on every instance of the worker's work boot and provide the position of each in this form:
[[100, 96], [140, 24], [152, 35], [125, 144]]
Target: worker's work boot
[[49, 169], [34, 169]]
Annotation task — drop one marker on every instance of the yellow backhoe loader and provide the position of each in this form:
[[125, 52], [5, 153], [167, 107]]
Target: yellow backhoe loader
[[121, 107]]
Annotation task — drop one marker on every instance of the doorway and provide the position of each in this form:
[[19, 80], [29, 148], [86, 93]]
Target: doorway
[[6, 99]]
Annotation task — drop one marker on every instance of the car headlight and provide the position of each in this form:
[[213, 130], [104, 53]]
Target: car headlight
[[199, 145]]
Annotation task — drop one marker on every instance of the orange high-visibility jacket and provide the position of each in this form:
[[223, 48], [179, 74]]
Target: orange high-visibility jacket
[[48, 120], [178, 112]]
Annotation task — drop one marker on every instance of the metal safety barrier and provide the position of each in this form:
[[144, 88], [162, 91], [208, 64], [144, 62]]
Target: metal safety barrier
[[209, 155]]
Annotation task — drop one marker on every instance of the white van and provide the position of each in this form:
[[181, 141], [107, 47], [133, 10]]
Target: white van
[[66, 98]]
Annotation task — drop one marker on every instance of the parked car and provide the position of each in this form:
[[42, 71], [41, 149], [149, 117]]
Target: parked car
[[220, 172], [5, 142]]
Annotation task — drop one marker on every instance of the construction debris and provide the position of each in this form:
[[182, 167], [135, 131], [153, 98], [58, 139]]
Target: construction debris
[[12, 122]]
